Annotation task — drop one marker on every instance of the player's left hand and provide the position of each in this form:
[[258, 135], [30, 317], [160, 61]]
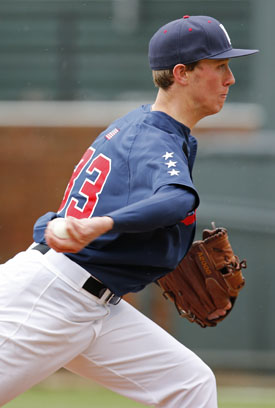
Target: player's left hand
[[220, 312], [205, 285], [80, 233]]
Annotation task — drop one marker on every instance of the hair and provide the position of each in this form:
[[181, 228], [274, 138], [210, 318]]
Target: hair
[[165, 77]]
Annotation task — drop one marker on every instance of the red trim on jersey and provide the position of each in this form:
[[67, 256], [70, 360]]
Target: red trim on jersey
[[190, 219]]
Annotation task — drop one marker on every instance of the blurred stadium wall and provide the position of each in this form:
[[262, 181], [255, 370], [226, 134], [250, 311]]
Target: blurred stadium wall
[[68, 68]]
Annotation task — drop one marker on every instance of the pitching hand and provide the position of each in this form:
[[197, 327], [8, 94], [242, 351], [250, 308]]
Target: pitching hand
[[80, 233]]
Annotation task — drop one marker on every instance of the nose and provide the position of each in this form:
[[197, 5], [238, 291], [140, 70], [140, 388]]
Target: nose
[[230, 79]]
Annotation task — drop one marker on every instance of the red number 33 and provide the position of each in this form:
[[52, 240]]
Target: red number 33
[[91, 187]]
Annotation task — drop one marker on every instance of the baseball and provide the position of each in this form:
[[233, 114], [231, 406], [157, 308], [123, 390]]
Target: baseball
[[59, 228]]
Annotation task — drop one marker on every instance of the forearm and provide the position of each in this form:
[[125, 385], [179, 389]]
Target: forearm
[[167, 207]]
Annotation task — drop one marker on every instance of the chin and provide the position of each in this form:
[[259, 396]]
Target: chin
[[217, 109], [214, 111]]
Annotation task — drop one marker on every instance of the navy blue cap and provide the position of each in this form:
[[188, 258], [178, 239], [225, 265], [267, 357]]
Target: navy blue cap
[[190, 39]]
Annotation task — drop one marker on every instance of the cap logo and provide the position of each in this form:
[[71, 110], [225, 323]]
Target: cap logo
[[226, 33]]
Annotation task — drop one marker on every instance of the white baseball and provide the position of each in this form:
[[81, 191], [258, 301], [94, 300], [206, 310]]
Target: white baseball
[[59, 228]]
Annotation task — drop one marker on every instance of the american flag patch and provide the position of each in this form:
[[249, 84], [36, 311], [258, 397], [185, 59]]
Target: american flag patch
[[112, 133]]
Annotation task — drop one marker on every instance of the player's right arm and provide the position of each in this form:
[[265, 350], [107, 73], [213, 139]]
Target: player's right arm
[[167, 207]]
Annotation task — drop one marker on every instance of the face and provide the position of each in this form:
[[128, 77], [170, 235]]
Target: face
[[209, 84]]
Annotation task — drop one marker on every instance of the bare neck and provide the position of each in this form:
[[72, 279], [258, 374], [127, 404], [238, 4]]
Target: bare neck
[[177, 106]]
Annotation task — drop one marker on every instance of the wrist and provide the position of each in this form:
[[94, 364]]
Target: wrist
[[107, 223]]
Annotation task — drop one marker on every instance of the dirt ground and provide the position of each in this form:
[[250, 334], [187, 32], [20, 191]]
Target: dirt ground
[[245, 379]]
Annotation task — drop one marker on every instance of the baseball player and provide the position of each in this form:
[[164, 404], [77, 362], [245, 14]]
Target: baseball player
[[129, 212]]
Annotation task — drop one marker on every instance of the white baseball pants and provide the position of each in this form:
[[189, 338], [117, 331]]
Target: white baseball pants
[[47, 321]]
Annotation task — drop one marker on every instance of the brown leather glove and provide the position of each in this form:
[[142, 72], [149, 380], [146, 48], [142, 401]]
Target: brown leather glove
[[207, 278]]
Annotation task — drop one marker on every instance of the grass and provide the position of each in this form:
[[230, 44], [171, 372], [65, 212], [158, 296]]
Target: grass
[[67, 398], [72, 393]]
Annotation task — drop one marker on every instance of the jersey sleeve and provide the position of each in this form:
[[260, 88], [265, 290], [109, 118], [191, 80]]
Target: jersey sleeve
[[168, 206], [158, 158]]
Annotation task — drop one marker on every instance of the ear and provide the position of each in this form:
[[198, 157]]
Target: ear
[[180, 74]]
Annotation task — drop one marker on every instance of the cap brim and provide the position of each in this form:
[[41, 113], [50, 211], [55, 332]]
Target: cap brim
[[233, 53]]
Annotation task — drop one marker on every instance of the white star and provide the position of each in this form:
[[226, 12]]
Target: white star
[[174, 172], [167, 155], [171, 164]]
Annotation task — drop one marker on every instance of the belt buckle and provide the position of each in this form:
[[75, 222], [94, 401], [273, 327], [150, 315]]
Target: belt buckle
[[107, 297], [113, 299]]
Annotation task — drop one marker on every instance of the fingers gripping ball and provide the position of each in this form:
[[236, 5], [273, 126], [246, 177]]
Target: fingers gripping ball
[[58, 226], [207, 278]]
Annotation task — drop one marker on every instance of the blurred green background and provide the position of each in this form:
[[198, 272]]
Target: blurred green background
[[68, 68], [97, 49]]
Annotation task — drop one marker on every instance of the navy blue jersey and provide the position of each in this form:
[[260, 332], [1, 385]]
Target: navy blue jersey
[[122, 174]]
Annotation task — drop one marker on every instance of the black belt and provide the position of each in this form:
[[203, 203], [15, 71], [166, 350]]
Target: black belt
[[92, 285]]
